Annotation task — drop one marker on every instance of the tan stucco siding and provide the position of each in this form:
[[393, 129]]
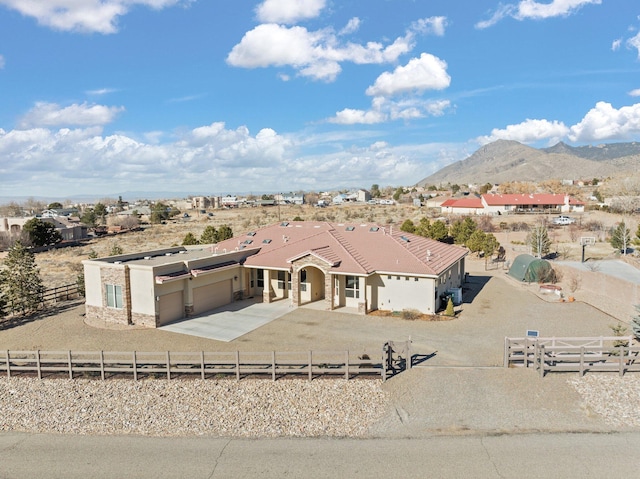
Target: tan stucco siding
[[93, 288], [398, 292]]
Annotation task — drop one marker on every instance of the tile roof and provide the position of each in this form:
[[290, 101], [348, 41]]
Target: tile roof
[[349, 248], [529, 199], [466, 202]]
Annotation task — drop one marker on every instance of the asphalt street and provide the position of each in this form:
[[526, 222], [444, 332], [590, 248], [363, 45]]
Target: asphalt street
[[37, 456]]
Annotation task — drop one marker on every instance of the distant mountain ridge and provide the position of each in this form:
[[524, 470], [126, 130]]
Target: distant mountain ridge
[[507, 160]]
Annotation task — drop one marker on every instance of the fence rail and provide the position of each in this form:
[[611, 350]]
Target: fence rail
[[47, 297], [582, 355], [139, 364]]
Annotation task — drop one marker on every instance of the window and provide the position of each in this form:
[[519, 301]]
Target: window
[[282, 276], [260, 278], [352, 289], [114, 296], [303, 275]]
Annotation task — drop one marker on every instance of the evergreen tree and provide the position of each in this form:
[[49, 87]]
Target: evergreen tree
[[438, 230], [224, 232], [621, 237], [635, 323], [422, 228], [462, 230], [408, 226], [539, 241], [41, 232], [189, 239], [475, 243], [20, 279], [209, 235]]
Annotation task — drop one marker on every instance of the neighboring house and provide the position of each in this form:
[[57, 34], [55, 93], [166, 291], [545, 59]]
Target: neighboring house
[[201, 202], [512, 203], [229, 202], [54, 213], [363, 196], [360, 266], [289, 199], [490, 204], [70, 229], [470, 205]]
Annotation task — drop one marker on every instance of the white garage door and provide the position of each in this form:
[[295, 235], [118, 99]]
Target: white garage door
[[171, 308], [212, 296]]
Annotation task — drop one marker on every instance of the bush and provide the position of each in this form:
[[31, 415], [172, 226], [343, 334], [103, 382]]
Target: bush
[[449, 311], [411, 314]]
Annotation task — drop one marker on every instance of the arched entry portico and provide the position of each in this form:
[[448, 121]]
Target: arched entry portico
[[310, 281]]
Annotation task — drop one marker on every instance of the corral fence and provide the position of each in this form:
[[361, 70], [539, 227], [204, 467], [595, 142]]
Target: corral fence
[[47, 298], [582, 355], [205, 365]]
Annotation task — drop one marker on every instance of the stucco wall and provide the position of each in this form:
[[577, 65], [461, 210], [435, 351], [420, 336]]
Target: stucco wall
[[607, 293], [397, 292]]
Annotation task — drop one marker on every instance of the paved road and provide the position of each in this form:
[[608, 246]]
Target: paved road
[[519, 456]]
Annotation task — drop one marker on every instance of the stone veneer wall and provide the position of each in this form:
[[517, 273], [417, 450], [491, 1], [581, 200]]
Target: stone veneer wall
[[117, 276]]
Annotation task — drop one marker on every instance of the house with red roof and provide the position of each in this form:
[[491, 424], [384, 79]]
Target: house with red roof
[[495, 204], [362, 267]]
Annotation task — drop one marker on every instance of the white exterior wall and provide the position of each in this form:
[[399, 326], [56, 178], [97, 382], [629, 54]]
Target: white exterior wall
[[93, 284], [395, 294], [143, 295]]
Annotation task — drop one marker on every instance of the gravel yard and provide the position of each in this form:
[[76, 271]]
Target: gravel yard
[[249, 408]]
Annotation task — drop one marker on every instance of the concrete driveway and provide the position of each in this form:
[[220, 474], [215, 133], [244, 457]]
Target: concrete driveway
[[231, 321]]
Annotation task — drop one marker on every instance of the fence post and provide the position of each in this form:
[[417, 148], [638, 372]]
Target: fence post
[[346, 365], [384, 365], [202, 364], [505, 361], [273, 365], [409, 357], [8, 364], [237, 365], [541, 360], [70, 364], [581, 361], [135, 367], [310, 366], [38, 364], [621, 353], [168, 366]]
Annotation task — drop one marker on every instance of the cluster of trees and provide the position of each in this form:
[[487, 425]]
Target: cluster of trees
[[161, 212], [209, 236], [462, 231], [20, 284]]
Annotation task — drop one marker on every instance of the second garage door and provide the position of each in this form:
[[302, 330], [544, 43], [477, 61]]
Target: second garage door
[[212, 296]]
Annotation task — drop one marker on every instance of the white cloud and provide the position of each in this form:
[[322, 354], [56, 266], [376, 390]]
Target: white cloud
[[635, 92], [212, 159], [615, 45], [425, 73], [352, 26], [634, 42], [603, 122], [1, 62], [288, 11], [94, 16], [318, 54], [529, 131], [432, 25], [531, 9], [52, 114], [383, 110], [100, 91]]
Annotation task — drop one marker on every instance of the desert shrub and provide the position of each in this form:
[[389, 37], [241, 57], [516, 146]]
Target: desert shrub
[[411, 314], [449, 311]]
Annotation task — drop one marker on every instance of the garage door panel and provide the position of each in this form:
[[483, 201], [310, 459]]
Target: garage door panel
[[171, 308], [212, 296]]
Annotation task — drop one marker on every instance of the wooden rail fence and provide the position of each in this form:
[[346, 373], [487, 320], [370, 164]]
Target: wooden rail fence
[[137, 364], [47, 297], [582, 355]]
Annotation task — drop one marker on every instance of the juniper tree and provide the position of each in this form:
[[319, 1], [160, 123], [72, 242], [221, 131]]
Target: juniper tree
[[20, 279]]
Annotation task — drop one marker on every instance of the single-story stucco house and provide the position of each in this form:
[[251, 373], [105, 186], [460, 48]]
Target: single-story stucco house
[[360, 266]]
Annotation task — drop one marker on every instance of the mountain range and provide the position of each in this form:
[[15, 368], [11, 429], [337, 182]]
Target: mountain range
[[507, 160]]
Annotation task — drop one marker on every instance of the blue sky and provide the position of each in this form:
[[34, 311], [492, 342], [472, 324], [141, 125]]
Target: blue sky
[[103, 97]]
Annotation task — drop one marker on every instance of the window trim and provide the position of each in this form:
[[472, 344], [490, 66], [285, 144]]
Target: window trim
[[114, 296]]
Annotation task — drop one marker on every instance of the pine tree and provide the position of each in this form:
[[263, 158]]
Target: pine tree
[[209, 235], [635, 323], [224, 232], [20, 279], [621, 237], [539, 241], [449, 311], [189, 239]]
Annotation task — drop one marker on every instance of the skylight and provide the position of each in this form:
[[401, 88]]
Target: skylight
[[374, 229], [284, 223], [350, 228], [266, 241], [251, 233], [404, 238]]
